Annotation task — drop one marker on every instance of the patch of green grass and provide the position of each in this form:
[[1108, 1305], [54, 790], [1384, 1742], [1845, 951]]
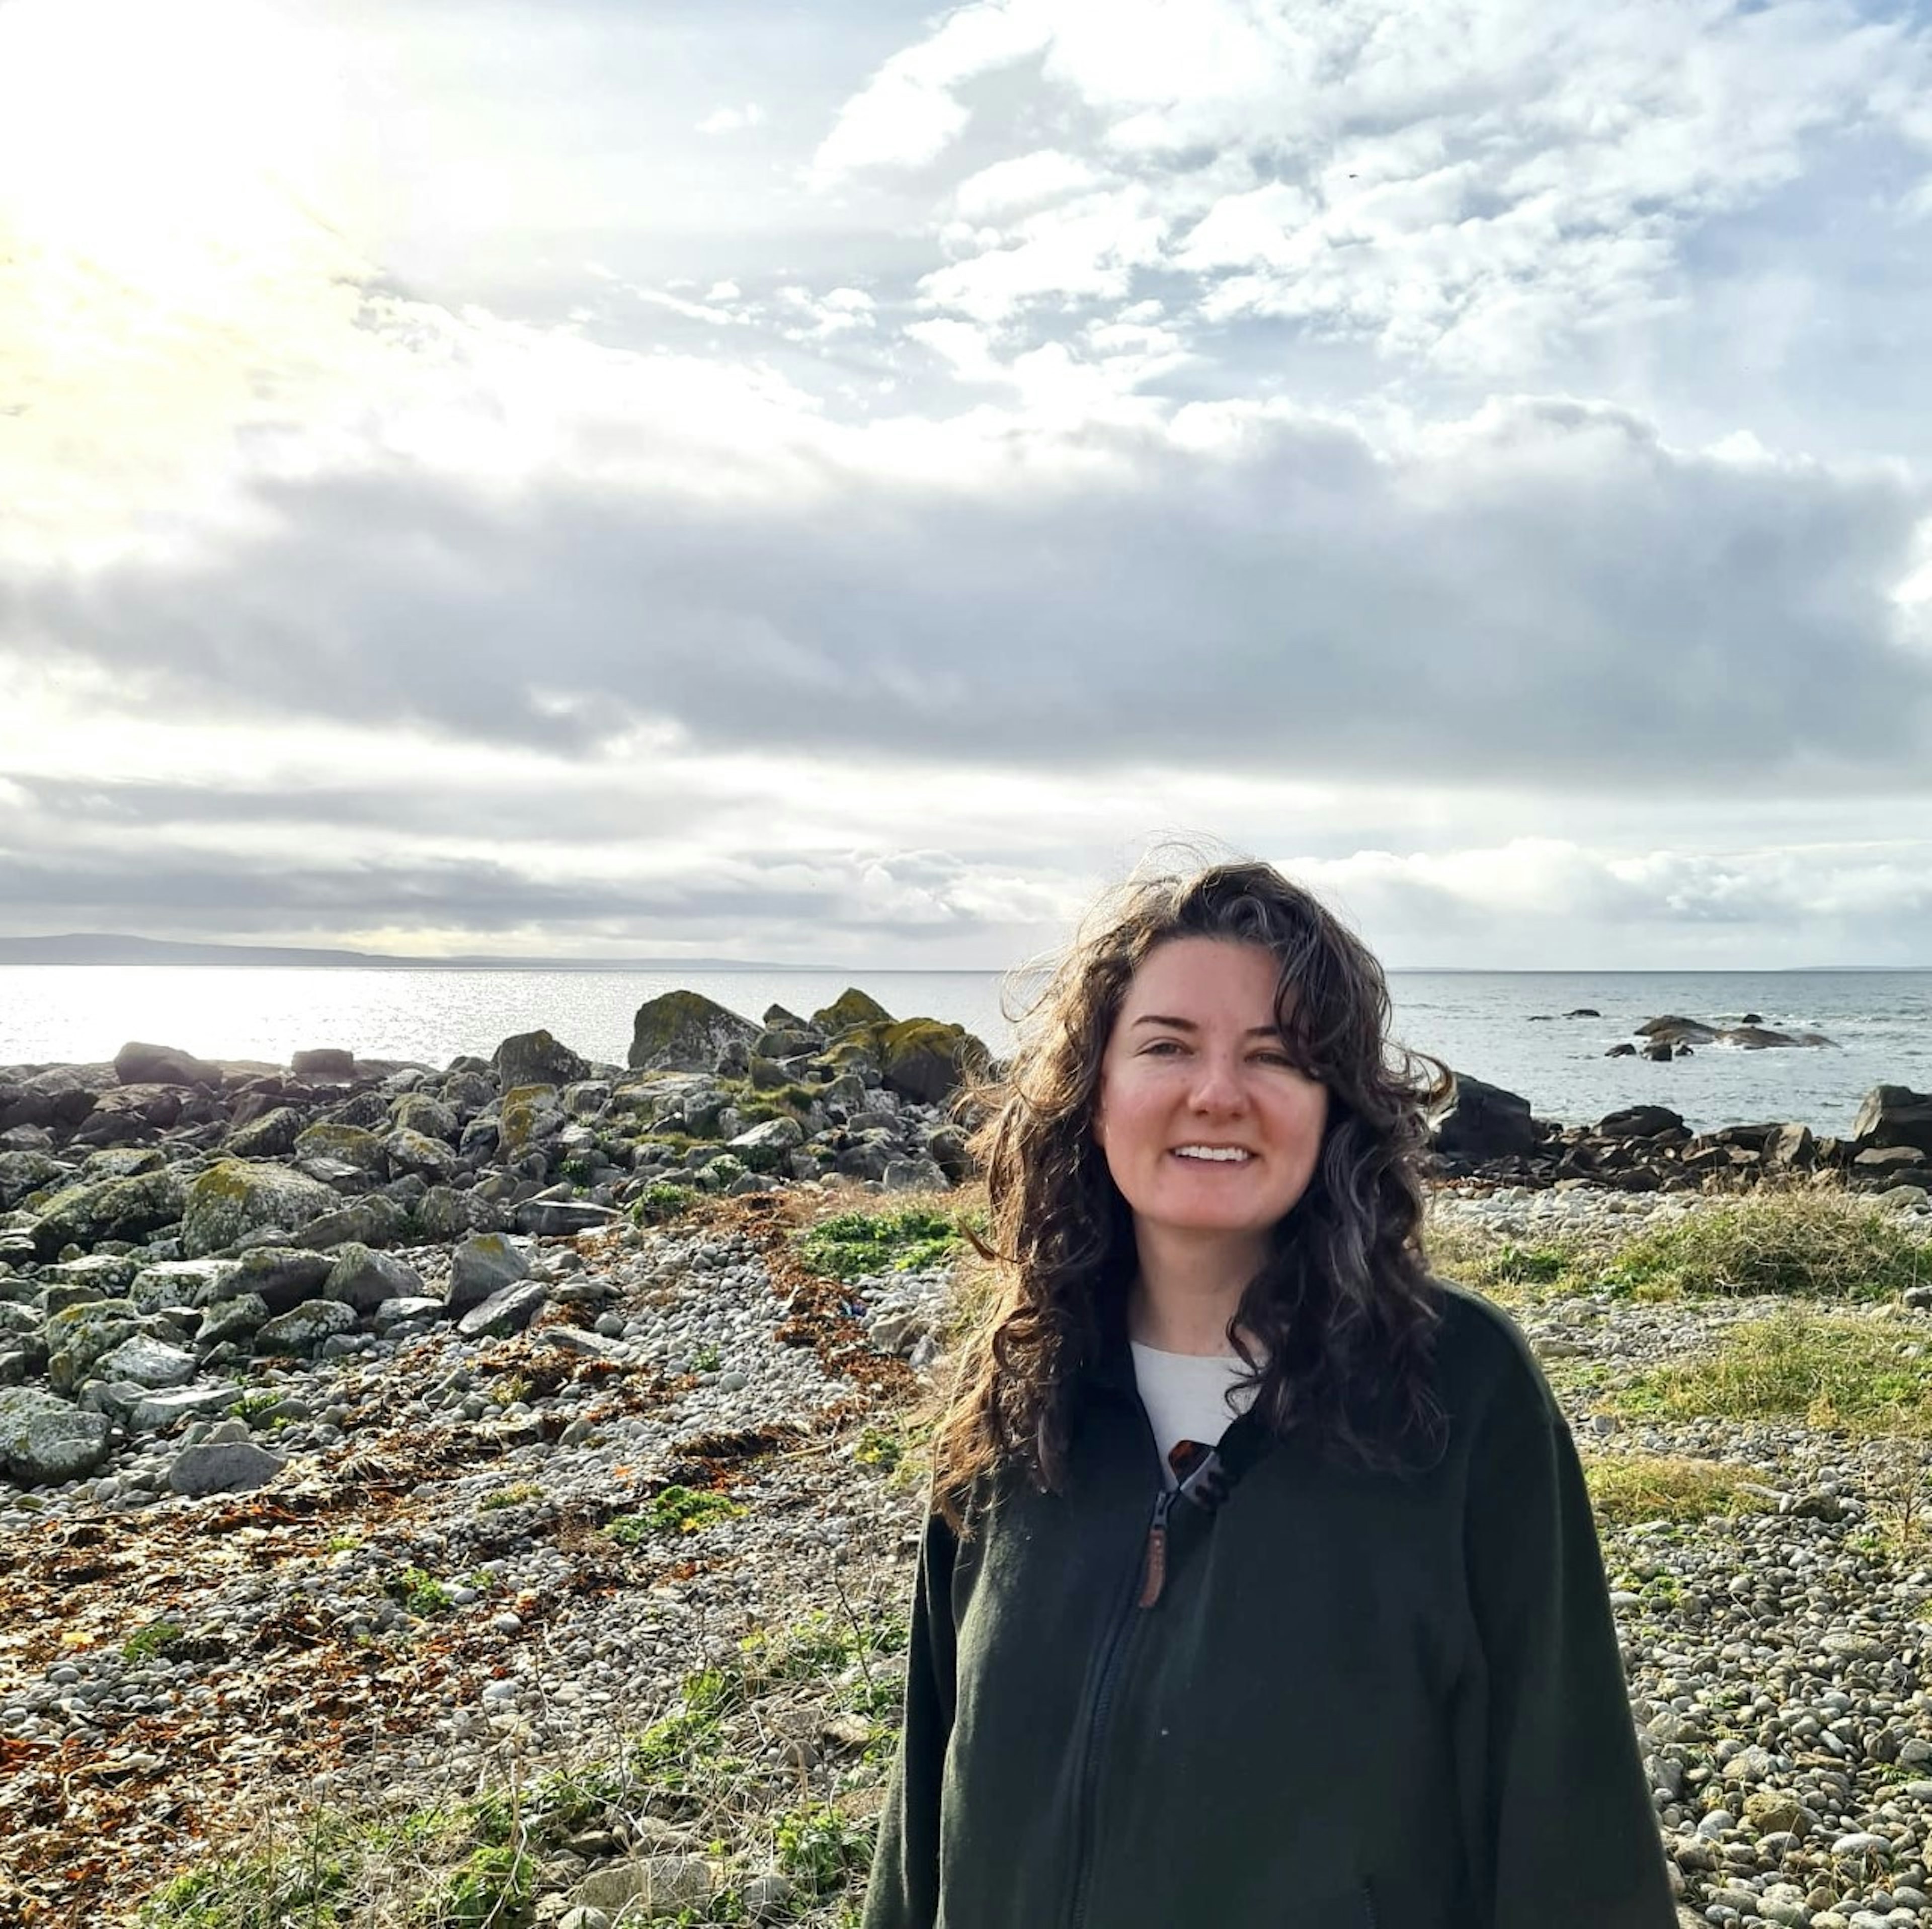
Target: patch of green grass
[[661, 1202], [516, 1494], [495, 1889], [417, 1591], [1827, 1370], [707, 1359], [674, 1509], [250, 1405], [154, 1639], [905, 1239], [1627, 1488], [879, 1447], [1506, 1269], [819, 1848], [1805, 1245]]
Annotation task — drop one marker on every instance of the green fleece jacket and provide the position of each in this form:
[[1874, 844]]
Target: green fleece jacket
[[1294, 1695]]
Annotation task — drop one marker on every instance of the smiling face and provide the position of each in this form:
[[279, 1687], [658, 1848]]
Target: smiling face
[[1209, 1131]]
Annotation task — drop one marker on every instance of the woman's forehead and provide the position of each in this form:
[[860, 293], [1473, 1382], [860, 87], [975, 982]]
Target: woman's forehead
[[1204, 978]]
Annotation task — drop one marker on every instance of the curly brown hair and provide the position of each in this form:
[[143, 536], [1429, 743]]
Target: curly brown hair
[[1343, 1309]]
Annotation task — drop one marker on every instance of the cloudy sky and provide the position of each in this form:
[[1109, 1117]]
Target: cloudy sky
[[834, 484]]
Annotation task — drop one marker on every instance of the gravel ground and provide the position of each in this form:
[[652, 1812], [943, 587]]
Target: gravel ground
[[427, 1600]]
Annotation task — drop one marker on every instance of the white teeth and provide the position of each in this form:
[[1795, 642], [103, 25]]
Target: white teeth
[[1223, 1154]]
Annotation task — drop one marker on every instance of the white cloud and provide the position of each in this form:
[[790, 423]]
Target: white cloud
[[732, 120], [1019, 186]]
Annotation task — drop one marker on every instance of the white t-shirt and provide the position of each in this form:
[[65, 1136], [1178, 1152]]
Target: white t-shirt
[[1189, 1397]]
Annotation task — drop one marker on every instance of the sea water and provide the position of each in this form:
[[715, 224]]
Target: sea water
[[1509, 1027]]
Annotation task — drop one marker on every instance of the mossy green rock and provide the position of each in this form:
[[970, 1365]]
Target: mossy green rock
[[44, 1441], [851, 1010], [273, 1133], [684, 1031], [24, 1172], [353, 1144], [536, 1058], [235, 1196], [84, 1214], [925, 1060], [417, 1152], [530, 1113], [417, 1111], [82, 1334]]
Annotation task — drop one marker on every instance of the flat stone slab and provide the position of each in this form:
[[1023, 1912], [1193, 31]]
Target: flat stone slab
[[160, 1411], [509, 1311], [562, 1219], [148, 1363], [237, 1466]]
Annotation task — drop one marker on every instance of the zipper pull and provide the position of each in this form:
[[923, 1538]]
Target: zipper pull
[[1154, 1573]]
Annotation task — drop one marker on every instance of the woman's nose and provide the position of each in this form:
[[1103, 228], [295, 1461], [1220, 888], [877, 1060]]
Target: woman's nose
[[1218, 1086]]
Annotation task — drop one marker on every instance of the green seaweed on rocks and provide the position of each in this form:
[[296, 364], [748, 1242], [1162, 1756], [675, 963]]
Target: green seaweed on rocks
[[905, 1239]]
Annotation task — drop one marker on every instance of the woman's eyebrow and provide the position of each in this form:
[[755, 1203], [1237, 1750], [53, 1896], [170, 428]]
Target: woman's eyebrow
[[1188, 1024]]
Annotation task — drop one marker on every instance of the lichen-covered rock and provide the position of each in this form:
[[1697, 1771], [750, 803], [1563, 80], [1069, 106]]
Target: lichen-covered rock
[[138, 1064], [536, 1058], [95, 1210], [684, 1031], [44, 1441], [284, 1275], [145, 1362], [22, 1173], [236, 1196], [267, 1137], [925, 1060], [80, 1335], [376, 1220], [303, 1327], [443, 1212], [348, 1145], [508, 1311], [362, 1279], [480, 1266], [530, 1116], [409, 1151], [234, 1318], [182, 1283], [851, 1010], [417, 1111], [762, 1148]]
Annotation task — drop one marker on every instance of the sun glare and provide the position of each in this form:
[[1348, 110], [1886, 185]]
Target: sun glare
[[178, 204]]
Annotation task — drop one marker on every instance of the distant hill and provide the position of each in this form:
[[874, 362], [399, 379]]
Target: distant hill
[[115, 948]]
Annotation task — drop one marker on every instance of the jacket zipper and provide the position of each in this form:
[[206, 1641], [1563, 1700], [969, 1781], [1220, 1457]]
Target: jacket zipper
[[1151, 1569]]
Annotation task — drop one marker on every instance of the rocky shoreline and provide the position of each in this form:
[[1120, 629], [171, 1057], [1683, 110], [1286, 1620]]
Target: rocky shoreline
[[375, 1435]]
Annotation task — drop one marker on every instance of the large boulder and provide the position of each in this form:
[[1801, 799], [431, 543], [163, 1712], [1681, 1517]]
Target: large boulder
[[1894, 1115], [926, 1060], [480, 1266], [236, 1196], [375, 1220], [223, 1467], [408, 1151], [268, 1136], [417, 1111], [684, 1031], [536, 1058], [44, 1441], [22, 1173], [851, 1010], [303, 1327], [443, 1212], [1483, 1121], [78, 1335], [138, 1064], [346, 1144], [86, 1213], [362, 1279]]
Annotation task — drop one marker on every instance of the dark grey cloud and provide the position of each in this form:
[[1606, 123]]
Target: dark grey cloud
[[1557, 599]]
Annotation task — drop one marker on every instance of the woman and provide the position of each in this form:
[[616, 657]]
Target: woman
[[1260, 1589]]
